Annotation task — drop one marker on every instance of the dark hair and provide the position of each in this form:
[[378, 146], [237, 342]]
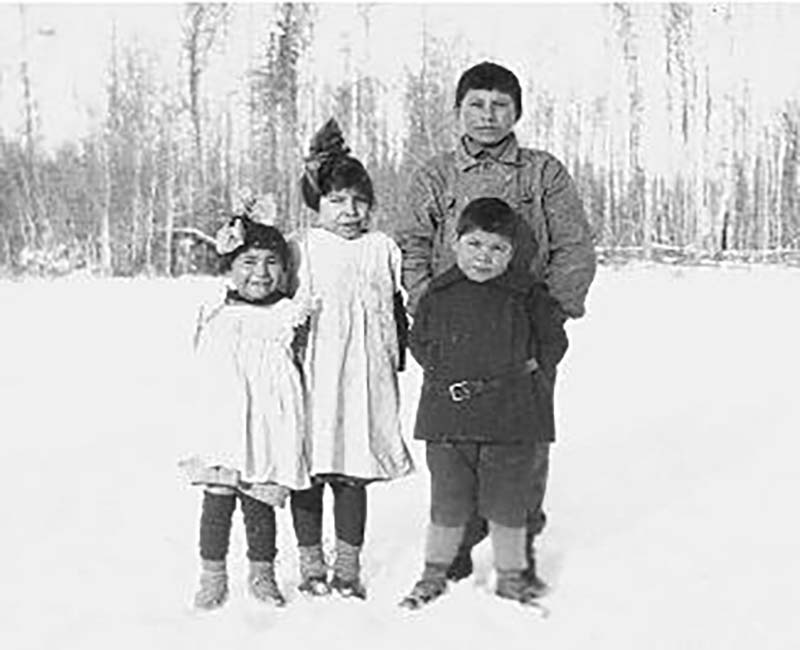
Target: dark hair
[[490, 76], [329, 167], [338, 173], [489, 214], [256, 235]]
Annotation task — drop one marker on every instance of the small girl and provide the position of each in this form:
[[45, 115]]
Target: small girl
[[249, 437], [354, 351]]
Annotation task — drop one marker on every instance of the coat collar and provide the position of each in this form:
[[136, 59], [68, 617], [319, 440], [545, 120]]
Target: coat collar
[[512, 281], [470, 153]]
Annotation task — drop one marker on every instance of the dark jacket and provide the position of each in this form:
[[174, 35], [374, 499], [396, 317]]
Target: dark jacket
[[470, 330], [540, 190]]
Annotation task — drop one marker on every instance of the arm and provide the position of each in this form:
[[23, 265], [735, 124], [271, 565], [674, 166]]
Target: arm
[[417, 229], [547, 327], [419, 343], [572, 264], [399, 305]]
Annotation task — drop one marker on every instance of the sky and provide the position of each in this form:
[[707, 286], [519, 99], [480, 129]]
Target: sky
[[562, 47]]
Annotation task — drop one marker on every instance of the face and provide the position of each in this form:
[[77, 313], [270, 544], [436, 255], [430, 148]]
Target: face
[[482, 255], [256, 273], [344, 212], [487, 116]]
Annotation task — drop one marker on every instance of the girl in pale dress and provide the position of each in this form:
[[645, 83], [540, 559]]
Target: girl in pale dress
[[354, 351], [248, 433]]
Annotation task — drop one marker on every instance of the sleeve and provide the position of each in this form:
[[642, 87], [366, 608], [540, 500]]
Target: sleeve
[[547, 325], [419, 339], [416, 231], [399, 305], [572, 264]]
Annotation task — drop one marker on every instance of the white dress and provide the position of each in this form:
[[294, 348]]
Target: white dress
[[352, 355], [249, 410]]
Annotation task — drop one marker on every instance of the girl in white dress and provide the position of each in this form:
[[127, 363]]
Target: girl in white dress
[[354, 351], [249, 429]]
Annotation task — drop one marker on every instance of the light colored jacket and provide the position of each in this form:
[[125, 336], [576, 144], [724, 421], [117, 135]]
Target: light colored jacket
[[556, 246]]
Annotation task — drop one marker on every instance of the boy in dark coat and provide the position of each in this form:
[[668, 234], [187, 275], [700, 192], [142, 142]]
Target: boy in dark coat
[[554, 242], [489, 338]]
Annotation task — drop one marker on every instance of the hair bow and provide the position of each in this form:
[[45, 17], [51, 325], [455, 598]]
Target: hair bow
[[230, 236], [326, 146]]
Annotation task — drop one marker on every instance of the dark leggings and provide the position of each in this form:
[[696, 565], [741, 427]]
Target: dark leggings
[[215, 527], [349, 513]]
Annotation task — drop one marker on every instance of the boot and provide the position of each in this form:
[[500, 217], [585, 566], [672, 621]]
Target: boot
[[539, 586], [313, 572], [346, 571], [213, 590], [476, 531], [432, 585], [461, 566], [262, 585], [514, 586]]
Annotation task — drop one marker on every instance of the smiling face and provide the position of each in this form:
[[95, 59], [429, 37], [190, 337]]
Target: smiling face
[[256, 273], [344, 212], [482, 255], [487, 116]]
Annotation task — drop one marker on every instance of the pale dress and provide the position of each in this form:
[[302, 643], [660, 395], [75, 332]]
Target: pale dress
[[249, 421], [352, 355]]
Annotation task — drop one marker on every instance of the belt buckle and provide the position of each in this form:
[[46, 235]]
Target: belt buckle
[[459, 391]]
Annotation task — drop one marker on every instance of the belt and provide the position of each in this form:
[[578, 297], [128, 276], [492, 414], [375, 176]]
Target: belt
[[465, 389]]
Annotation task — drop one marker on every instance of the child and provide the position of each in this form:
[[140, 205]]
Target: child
[[353, 354], [488, 339], [488, 161], [249, 441]]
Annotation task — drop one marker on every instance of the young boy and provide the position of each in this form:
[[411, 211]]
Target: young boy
[[488, 161], [488, 338]]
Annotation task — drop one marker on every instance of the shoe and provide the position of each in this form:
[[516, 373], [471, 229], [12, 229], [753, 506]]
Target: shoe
[[423, 592], [461, 567], [535, 583], [514, 586], [262, 585], [348, 588], [315, 586], [213, 590]]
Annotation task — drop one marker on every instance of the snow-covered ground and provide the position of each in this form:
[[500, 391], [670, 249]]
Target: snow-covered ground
[[672, 489]]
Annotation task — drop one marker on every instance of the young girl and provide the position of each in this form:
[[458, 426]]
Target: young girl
[[351, 361], [249, 438]]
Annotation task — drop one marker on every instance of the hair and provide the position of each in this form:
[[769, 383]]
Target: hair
[[338, 173], [490, 76], [258, 236], [491, 215]]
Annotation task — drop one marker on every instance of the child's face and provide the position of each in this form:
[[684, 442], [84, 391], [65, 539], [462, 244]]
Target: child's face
[[482, 255], [256, 273], [344, 212], [487, 116]]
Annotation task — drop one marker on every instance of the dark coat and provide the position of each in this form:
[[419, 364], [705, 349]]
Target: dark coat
[[471, 330]]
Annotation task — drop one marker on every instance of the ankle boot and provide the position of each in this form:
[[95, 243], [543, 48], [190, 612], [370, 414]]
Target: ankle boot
[[313, 571], [346, 571], [262, 585], [432, 585], [514, 586], [213, 590], [539, 586]]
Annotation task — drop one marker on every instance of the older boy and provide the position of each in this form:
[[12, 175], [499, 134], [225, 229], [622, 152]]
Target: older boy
[[488, 161], [488, 339]]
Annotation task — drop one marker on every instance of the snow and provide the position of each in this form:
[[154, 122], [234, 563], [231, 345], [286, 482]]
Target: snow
[[670, 499]]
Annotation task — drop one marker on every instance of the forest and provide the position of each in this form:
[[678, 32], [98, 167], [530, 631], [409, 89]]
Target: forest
[[679, 123]]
